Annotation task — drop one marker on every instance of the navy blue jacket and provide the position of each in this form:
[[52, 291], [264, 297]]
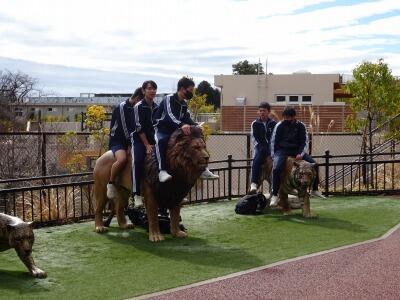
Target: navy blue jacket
[[144, 121], [122, 125], [172, 114], [289, 137], [261, 132]]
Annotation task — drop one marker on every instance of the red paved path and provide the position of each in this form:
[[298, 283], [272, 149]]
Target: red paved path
[[367, 271]]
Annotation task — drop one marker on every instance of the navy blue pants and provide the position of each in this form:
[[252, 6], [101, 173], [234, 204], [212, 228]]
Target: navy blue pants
[[260, 153], [138, 159], [161, 148], [279, 161]]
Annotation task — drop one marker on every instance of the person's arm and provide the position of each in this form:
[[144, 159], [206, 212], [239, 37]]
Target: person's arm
[[275, 139], [303, 140], [256, 132], [114, 121], [187, 119], [270, 129]]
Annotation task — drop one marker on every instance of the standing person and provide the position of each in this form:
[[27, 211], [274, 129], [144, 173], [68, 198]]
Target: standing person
[[173, 113], [261, 132], [143, 138], [289, 138], [122, 125]]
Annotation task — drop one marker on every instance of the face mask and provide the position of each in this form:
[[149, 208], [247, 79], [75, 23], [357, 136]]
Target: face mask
[[188, 95]]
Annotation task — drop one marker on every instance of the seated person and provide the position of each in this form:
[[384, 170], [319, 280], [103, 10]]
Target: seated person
[[261, 132], [289, 138], [143, 137], [122, 125], [171, 114]]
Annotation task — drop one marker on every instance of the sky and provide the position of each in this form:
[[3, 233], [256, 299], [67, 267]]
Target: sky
[[96, 46]]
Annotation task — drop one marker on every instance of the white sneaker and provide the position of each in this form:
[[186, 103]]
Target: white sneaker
[[207, 174], [274, 201], [163, 176], [317, 194], [253, 188], [138, 200], [111, 191]]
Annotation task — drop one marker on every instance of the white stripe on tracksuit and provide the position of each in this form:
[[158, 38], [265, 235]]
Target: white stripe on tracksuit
[[157, 149], [273, 139], [305, 149], [121, 111], [171, 115], [133, 166]]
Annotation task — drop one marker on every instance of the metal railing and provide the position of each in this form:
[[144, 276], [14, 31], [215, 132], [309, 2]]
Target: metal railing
[[49, 203]]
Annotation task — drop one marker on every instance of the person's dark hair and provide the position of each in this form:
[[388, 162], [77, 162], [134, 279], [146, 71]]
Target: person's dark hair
[[265, 105], [185, 82], [138, 93], [289, 112], [147, 82]]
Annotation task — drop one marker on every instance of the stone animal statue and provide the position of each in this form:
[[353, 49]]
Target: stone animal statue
[[101, 174], [299, 176], [17, 234], [296, 179], [187, 158]]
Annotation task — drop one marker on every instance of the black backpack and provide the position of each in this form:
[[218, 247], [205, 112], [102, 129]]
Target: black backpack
[[138, 217], [251, 204]]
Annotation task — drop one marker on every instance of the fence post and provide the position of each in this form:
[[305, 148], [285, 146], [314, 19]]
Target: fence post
[[230, 177], [82, 121], [327, 156], [44, 142]]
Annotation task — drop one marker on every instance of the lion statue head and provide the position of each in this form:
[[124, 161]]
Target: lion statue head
[[187, 154], [187, 158]]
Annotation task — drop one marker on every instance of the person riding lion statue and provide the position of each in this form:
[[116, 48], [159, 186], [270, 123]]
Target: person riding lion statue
[[187, 158]]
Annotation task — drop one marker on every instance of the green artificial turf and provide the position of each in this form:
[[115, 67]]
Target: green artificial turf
[[82, 264]]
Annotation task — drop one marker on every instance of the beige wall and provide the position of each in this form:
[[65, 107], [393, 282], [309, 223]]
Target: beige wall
[[257, 88]]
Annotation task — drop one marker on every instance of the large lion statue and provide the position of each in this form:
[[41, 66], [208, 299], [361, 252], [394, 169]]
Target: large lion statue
[[296, 179], [187, 158]]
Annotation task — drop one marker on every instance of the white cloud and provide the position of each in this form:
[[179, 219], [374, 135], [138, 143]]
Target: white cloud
[[171, 38]]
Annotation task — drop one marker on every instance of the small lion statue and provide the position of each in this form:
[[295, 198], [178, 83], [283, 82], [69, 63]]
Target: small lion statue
[[17, 234], [187, 158], [296, 179]]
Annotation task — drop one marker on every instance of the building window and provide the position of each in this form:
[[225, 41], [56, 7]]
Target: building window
[[70, 109], [280, 98], [306, 99], [51, 109], [293, 98]]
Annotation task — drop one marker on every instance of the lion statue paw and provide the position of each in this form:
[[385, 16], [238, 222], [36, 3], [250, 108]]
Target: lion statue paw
[[179, 234]]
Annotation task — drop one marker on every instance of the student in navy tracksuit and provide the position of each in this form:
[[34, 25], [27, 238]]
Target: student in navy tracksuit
[[261, 132], [122, 125], [290, 138], [143, 137], [171, 114]]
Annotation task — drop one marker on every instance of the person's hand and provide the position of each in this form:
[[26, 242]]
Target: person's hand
[[149, 149], [299, 157], [186, 129]]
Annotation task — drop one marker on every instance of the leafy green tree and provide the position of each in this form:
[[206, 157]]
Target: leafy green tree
[[246, 68], [213, 95], [375, 99]]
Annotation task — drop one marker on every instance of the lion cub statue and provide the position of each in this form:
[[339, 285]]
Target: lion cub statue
[[17, 234]]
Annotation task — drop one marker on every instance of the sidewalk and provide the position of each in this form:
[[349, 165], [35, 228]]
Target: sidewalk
[[367, 270]]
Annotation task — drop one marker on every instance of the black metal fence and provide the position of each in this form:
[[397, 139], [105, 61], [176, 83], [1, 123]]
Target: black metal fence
[[66, 198]]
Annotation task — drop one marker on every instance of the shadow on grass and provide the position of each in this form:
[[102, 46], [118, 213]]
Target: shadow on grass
[[192, 249], [320, 221], [21, 281]]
